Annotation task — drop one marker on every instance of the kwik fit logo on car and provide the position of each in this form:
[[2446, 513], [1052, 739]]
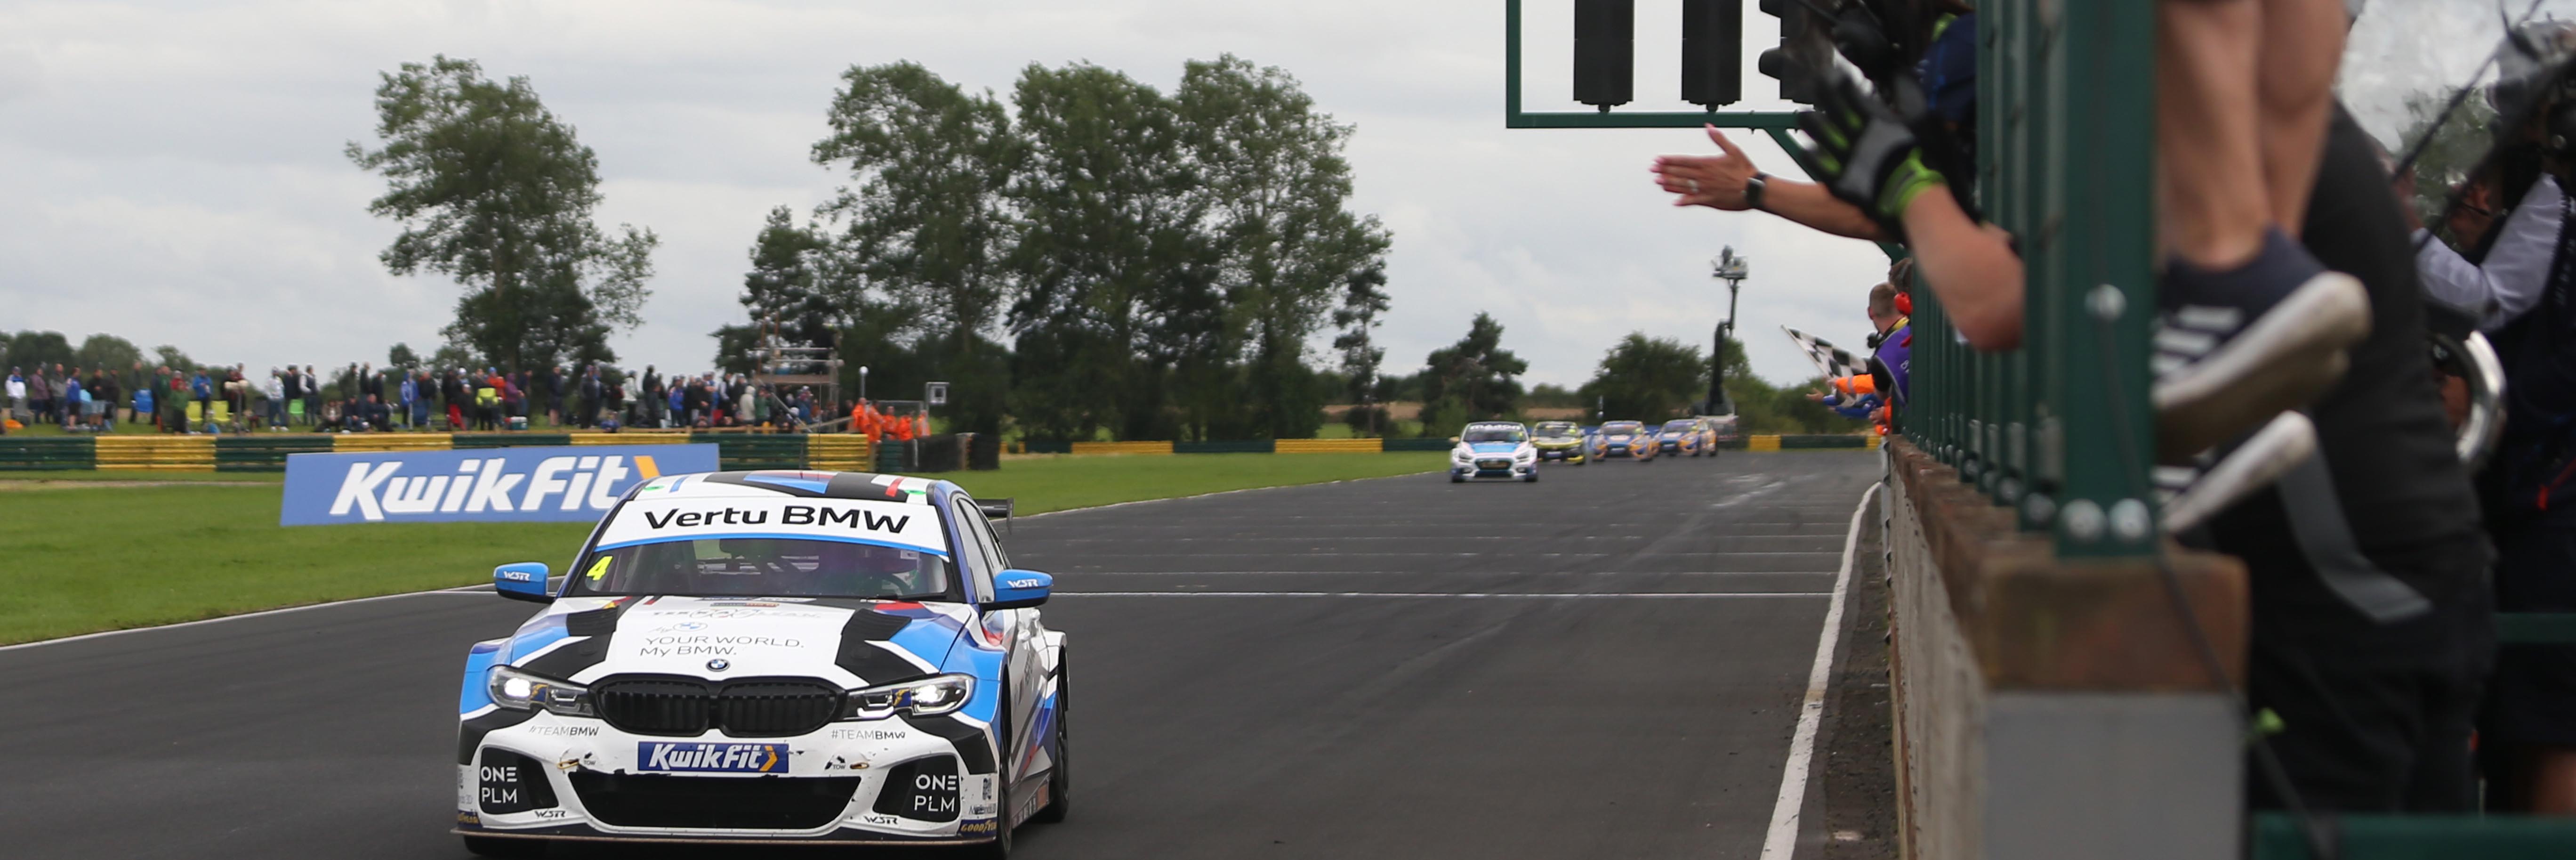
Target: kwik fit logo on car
[[557, 483], [699, 757]]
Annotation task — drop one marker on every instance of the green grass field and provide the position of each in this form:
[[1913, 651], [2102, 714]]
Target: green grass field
[[90, 551]]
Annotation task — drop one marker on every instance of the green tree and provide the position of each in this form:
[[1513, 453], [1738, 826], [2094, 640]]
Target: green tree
[[2456, 144], [107, 351], [781, 289], [1117, 283], [171, 357], [454, 356], [1471, 380], [1647, 379], [926, 221], [401, 357], [33, 349], [1276, 186], [1364, 299], [495, 191]]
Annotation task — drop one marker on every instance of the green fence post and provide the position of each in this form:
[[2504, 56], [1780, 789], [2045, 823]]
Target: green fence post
[[2091, 254]]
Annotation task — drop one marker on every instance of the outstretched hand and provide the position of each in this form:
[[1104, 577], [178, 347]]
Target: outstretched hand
[[1714, 181]]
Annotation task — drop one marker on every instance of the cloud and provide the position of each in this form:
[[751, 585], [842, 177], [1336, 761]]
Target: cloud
[[176, 172]]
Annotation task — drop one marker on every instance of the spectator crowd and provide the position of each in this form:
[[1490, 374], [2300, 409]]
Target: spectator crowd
[[361, 398]]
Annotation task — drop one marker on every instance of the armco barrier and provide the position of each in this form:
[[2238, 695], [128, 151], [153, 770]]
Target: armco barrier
[[371, 442], [509, 440], [1852, 441], [1330, 446], [157, 453], [739, 451], [1243, 446], [1427, 444], [632, 437], [838, 452], [1122, 447], [47, 453], [265, 453], [1041, 446]]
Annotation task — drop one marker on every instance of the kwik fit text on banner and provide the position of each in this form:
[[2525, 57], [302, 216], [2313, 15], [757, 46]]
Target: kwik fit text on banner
[[536, 484]]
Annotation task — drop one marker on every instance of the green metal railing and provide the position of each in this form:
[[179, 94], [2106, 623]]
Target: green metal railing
[[2059, 429]]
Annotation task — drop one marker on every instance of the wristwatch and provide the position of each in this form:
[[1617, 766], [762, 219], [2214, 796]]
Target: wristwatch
[[1753, 190]]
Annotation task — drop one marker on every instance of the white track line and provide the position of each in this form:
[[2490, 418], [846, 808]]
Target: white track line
[[1687, 595], [469, 589], [1782, 841]]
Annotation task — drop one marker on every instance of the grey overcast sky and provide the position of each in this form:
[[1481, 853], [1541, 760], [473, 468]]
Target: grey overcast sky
[[173, 170]]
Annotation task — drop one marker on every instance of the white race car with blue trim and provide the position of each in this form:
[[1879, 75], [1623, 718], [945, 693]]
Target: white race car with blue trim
[[759, 657], [1494, 449]]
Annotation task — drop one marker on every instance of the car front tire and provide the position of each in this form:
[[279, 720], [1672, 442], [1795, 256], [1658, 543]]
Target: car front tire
[[1060, 777], [1000, 847]]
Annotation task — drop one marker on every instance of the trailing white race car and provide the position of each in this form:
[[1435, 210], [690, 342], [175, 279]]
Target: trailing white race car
[[1494, 449], [770, 657]]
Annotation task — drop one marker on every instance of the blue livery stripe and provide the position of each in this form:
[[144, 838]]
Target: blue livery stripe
[[472, 696], [807, 484]]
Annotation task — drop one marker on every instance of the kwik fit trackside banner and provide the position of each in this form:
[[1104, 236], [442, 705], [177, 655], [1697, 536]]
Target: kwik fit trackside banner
[[550, 484]]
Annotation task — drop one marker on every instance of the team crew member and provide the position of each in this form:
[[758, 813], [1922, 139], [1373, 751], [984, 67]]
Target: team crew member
[[2527, 731], [2515, 258]]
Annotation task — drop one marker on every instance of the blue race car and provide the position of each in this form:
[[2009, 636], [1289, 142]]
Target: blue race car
[[1623, 439], [770, 657], [1494, 449]]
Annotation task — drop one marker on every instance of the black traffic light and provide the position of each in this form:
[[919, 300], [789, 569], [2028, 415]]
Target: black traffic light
[[1806, 47], [1605, 52], [1712, 52]]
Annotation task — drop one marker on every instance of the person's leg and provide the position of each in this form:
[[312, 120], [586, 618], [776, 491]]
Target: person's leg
[[2302, 47], [2207, 134], [2530, 719]]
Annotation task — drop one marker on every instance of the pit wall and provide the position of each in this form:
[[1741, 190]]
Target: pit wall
[[2050, 709]]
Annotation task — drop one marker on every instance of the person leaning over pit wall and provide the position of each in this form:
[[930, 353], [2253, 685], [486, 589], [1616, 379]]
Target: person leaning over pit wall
[[2371, 627]]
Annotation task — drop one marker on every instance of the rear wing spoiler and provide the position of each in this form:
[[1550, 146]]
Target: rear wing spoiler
[[996, 509]]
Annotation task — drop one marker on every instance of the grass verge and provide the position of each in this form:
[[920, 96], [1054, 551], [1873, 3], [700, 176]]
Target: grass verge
[[102, 556]]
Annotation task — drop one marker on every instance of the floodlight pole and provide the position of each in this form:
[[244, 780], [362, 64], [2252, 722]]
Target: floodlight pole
[[1732, 269]]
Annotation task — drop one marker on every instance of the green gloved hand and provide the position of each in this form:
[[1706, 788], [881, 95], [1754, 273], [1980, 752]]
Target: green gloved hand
[[1868, 157]]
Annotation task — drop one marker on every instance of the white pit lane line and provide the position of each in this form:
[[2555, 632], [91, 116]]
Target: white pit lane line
[[1781, 842]]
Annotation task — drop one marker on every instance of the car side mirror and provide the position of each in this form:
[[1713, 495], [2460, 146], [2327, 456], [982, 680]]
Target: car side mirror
[[522, 581], [1020, 589]]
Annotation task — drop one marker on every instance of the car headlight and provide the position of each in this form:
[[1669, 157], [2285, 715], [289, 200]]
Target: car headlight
[[520, 690], [1461, 455], [922, 697]]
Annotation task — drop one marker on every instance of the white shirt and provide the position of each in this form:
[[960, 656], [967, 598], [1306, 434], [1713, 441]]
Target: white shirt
[[275, 388], [17, 388], [2516, 267]]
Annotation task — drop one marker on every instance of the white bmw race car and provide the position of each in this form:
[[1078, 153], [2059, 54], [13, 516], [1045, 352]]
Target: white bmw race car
[[1494, 449], [770, 657]]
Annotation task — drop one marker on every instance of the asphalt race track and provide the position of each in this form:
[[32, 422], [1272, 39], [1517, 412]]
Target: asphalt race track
[[1604, 664]]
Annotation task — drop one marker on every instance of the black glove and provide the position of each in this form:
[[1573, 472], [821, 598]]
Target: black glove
[[1864, 41], [1866, 155]]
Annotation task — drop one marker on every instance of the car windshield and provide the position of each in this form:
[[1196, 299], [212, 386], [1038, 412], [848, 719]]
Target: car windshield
[[1616, 427], [1556, 428], [1680, 426], [1493, 434], [764, 567]]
